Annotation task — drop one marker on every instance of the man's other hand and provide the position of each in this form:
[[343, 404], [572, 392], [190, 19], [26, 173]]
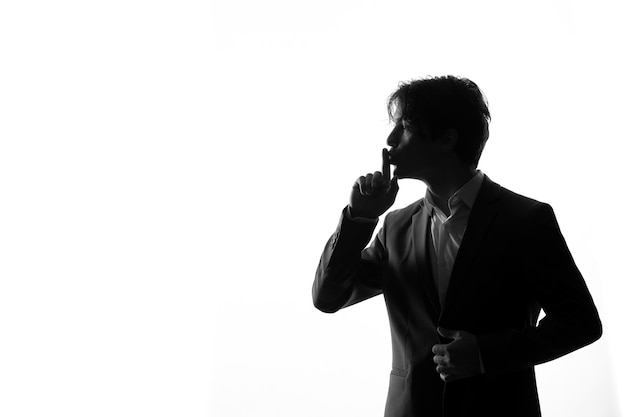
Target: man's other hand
[[459, 358]]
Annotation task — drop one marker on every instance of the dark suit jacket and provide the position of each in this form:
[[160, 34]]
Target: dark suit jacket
[[512, 262]]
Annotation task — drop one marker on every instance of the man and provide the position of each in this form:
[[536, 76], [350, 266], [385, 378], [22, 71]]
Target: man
[[464, 271]]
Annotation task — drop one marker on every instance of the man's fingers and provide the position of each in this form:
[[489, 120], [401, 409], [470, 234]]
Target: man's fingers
[[368, 184], [439, 349], [377, 180], [386, 167], [441, 359], [444, 369], [360, 184], [373, 184]]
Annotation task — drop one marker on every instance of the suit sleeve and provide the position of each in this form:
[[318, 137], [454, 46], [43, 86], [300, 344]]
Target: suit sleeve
[[348, 272], [557, 285]]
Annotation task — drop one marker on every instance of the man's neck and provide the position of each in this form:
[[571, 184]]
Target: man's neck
[[444, 186]]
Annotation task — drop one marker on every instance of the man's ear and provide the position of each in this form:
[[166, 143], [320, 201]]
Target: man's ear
[[448, 139]]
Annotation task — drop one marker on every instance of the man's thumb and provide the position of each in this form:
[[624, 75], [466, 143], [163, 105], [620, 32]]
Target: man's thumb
[[448, 334]]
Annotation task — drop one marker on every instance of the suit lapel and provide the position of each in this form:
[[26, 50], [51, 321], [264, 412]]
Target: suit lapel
[[420, 234], [478, 224]]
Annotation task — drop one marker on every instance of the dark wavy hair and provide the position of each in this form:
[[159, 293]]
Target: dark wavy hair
[[441, 103]]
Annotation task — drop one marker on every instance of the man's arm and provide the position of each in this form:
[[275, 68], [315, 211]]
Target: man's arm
[[347, 273], [571, 320]]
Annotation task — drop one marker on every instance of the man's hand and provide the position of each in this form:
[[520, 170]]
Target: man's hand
[[459, 358], [373, 194]]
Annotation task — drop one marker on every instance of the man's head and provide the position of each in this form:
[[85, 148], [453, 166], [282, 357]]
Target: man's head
[[448, 110]]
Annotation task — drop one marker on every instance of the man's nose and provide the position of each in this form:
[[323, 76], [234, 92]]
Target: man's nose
[[394, 136]]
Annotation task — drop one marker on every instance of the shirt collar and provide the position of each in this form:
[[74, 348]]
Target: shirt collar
[[465, 195]]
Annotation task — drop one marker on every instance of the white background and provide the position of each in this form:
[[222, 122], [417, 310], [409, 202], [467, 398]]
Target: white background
[[170, 172]]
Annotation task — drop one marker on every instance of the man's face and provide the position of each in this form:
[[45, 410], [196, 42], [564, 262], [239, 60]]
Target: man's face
[[412, 149]]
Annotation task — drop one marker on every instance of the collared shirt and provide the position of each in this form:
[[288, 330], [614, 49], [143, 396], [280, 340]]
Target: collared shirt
[[447, 231]]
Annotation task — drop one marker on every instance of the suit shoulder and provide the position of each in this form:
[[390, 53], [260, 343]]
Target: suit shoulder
[[519, 198], [518, 202]]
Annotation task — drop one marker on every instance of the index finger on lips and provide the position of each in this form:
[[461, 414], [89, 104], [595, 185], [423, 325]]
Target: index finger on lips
[[386, 167]]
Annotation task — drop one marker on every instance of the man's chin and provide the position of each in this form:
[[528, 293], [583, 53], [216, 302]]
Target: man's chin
[[400, 173]]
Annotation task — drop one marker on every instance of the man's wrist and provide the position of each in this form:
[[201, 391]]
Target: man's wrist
[[356, 215]]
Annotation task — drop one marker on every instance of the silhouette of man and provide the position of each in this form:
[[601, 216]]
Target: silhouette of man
[[464, 271]]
